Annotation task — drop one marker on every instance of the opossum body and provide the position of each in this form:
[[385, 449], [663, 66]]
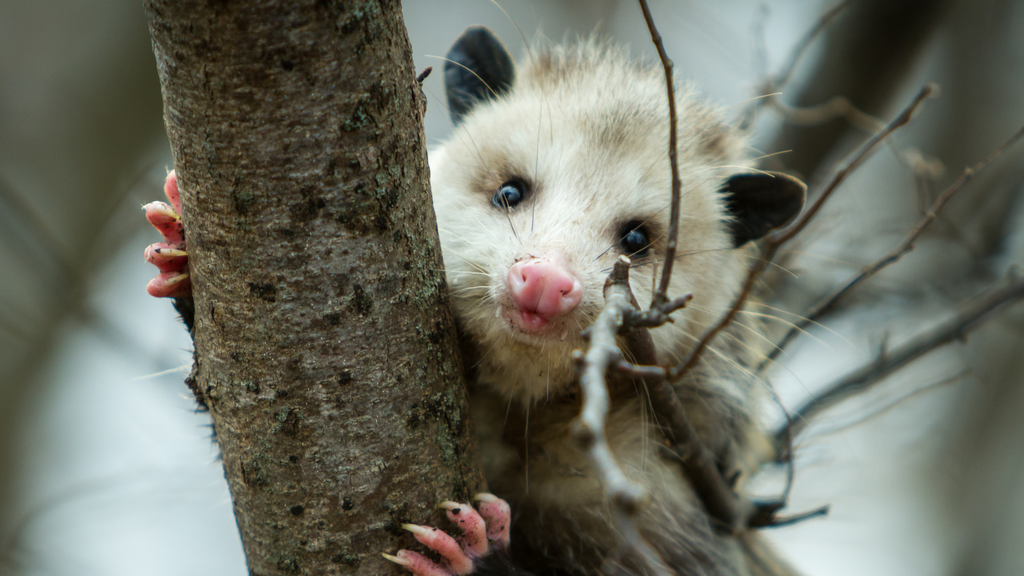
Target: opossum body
[[554, 169]]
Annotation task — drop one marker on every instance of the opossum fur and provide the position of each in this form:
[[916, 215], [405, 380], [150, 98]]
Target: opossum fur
[[583, 130]]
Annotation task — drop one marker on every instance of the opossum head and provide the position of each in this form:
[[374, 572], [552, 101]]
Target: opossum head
[[557, 167]]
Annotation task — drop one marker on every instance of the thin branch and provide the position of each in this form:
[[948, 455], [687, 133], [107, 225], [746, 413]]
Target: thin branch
[[842, 107], [773, 241], [620, 313], [864, 377], [829, 302], [661, 296], [727, 511]]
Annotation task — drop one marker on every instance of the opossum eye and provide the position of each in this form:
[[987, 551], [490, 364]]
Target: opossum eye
[[634, 240], [510, 194]]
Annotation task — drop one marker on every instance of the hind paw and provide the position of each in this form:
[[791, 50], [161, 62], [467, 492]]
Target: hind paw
[[484, 530], [169, 256]]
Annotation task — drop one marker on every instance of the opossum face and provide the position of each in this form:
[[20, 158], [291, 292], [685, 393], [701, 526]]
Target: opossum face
[[552, 172]]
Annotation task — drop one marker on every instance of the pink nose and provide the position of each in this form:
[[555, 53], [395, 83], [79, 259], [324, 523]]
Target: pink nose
[[543, 287]]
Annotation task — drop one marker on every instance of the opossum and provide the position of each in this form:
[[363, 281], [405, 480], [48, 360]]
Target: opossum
[[555, 168]]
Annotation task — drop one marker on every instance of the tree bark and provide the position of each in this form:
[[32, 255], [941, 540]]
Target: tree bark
[[325, 345]]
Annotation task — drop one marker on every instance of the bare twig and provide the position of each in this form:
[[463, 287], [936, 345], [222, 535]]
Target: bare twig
[[897, 253], [770, 94], [661, 296], [773, 241], [23, 212], [864, 377], [876, 411], [589, 428]]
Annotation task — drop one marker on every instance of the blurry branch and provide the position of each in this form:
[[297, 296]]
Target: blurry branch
[[886, 363], [774, 241], [829, 302], [876, 412], [782, 78], [13, 326], [866, 51], [840, 107], [40, 228], [769, 90], [835, 107]]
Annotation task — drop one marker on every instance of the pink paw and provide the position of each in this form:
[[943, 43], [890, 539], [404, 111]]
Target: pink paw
[[170, 256], [483, 532]]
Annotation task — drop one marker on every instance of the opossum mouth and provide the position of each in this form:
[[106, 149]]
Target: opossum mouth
[[531, 321], [534, 326]]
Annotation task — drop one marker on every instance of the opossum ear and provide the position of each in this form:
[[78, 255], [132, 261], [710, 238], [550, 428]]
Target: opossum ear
[[760, 202], [478, 68]]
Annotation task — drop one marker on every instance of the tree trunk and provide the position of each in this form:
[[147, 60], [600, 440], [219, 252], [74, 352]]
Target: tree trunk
[[325, 346]]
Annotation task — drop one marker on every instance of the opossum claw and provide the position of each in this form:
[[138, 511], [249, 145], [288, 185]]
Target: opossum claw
[[498, 515], [483, 532]]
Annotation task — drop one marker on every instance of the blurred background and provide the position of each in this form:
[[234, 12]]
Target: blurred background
[[106, 468]]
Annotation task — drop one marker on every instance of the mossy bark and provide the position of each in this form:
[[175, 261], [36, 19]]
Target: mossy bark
[[325, 345]]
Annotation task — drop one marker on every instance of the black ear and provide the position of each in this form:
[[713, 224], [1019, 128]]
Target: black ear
[[478, 68], [760, 202]]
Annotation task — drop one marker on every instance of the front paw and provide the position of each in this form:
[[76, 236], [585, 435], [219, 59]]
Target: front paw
[[484, 531], [169, 256]]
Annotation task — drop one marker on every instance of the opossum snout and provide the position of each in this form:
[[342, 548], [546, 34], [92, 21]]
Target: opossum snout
[[542, 289]]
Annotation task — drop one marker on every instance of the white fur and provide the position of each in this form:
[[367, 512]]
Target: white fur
[[587, 127]]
